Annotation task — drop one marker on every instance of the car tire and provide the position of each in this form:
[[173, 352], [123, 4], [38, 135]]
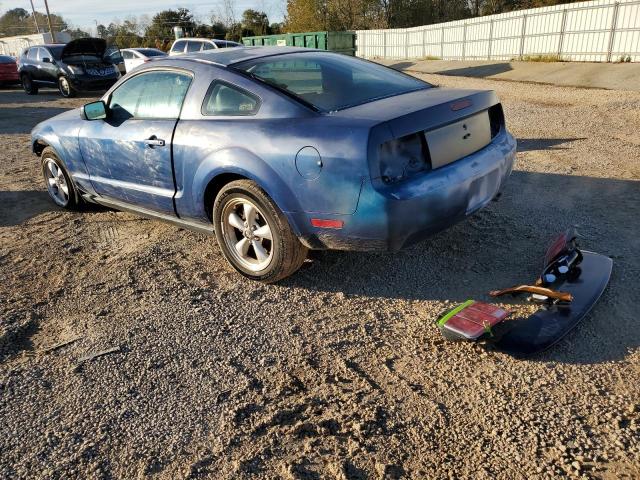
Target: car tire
[[65, 88], [254, 235], [27, 84], [57, 181]]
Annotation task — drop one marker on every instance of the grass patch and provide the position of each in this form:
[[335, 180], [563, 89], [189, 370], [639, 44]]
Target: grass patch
[[429, 57], [542, 58]]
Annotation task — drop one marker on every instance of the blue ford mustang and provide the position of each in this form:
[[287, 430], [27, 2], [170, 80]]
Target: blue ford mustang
[[279, 150]]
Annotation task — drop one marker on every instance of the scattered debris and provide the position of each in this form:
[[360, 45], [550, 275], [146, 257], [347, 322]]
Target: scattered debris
[[59, 345], [87, 358]]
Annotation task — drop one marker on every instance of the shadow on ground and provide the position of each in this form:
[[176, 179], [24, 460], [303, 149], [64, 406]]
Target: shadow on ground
[[476, 71], [461, 263], [20, 205], [533, 144], [29, 117]]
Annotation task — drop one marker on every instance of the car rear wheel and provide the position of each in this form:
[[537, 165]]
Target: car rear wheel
[[27, 84], [66, 90], [254, 235], [57, 180]]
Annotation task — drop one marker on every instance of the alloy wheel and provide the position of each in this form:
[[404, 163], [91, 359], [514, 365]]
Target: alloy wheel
[[247, 234], [56, 182], [65, 88]]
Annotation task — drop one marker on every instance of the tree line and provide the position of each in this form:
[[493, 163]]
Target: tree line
[[318, 15], [145, 31], [301, 16]]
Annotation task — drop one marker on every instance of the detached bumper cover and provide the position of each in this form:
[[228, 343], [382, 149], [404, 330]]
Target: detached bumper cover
[[389, 218], [548, 326]]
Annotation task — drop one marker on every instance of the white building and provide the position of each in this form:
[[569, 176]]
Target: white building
[[15, 45]]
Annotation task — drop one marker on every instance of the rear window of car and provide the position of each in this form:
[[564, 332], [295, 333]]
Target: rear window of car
[[193, 46], [7, 59], [150, 52], [330, 81]]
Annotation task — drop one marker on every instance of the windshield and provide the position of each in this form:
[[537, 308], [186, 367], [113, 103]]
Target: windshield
[[330, 81], [56, 51]]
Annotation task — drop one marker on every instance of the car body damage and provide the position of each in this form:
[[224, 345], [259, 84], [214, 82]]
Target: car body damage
[[356, 156]]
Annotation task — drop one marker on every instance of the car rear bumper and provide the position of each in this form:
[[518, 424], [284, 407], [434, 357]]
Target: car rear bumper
[[389, 218]]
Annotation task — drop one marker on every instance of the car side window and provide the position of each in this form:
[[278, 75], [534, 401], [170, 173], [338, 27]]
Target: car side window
[[225, 99], [127, 55], [178, 47], [43, 53], [33, 54], [193, 46], [207, 46], [157, 94]]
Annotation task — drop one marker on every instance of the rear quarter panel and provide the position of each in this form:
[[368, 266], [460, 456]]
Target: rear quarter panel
[[263, 147]]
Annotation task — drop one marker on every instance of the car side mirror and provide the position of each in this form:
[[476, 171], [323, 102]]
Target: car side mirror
[[46, 60], [94, 111]]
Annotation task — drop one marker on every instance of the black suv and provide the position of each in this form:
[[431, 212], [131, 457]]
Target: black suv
[[80, 65]]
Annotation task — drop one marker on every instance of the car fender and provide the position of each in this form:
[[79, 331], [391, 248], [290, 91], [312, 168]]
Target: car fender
[[240, 161], [65, 143]]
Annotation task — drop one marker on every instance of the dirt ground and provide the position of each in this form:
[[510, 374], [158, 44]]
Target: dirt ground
[[339, 371]]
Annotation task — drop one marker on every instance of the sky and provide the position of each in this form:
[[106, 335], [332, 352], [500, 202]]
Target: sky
[[82, 13]]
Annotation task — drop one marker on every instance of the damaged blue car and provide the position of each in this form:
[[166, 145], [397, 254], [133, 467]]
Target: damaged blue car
[[278, 150]]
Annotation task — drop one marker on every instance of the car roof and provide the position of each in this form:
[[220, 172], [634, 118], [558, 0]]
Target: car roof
[[228, 56]]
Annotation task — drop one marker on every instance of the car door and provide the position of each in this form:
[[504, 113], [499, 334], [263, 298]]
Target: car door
[[128, 155], [30, 63], [47, 69]]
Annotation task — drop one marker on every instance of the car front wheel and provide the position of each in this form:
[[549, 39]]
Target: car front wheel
[[27, 84], [66, 90], [254, 235], [57, 180]]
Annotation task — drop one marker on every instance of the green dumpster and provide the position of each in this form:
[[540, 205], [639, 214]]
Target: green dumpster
[[341, 42]]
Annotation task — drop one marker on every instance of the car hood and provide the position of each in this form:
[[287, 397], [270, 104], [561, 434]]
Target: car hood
[[85, 46]]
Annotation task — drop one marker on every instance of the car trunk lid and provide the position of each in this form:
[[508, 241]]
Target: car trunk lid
[[427, 129]]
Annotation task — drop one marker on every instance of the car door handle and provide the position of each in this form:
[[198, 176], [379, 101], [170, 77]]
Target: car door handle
[[154, 141]]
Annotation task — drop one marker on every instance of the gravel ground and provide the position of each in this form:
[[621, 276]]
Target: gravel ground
[[337, 372]]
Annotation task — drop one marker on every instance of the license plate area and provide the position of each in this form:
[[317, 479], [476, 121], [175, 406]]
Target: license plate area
[[457, 140]]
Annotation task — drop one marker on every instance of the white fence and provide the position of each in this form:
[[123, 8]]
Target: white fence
[[596, 31]]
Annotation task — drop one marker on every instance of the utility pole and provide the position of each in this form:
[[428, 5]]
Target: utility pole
[[35, 18], [53, 34]]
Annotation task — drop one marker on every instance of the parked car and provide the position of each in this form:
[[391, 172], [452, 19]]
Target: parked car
[[137, 56], [193, 45], [277, 150], [80, 65], [8, 70]]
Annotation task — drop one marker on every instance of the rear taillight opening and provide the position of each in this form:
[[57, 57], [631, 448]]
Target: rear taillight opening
[[496, 119], [403, 157]]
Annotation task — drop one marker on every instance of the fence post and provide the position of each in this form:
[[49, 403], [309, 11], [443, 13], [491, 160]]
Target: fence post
[[464, 40], [563, 27], [490, 38], [522, 37], [614, 22], [442, 45], [424, 43], [384, 44], [406, 44]]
